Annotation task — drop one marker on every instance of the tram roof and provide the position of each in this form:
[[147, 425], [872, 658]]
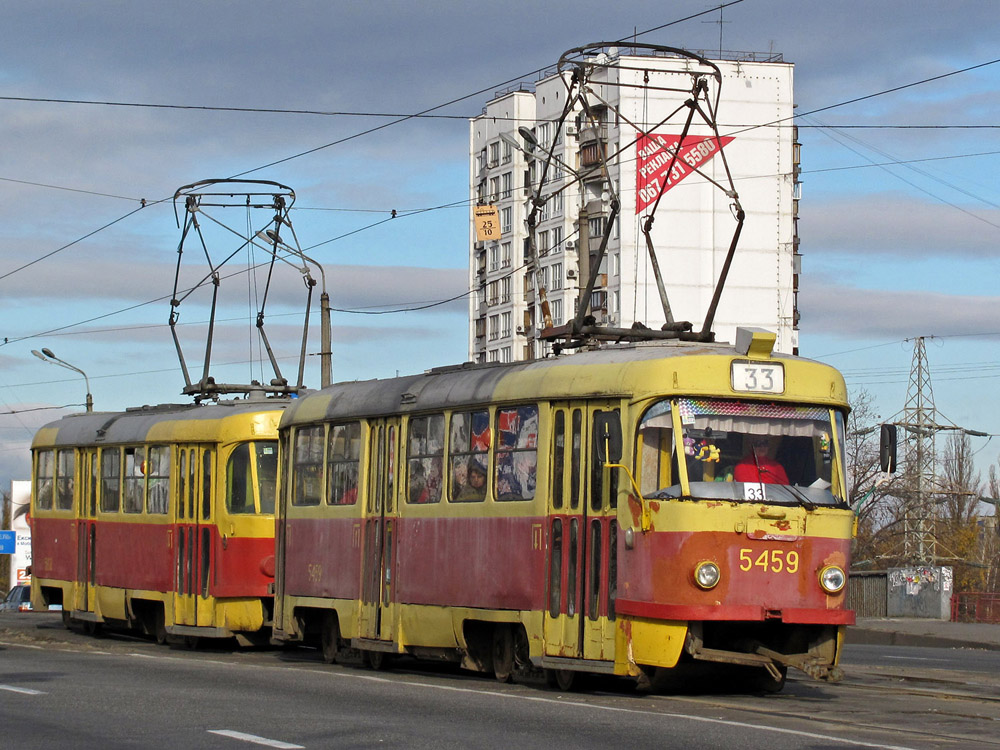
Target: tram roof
[[134, 424], [610, 371]]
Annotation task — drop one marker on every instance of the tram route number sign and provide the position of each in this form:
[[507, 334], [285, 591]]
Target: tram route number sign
[[758, 377], [8, 542], [487, 220]]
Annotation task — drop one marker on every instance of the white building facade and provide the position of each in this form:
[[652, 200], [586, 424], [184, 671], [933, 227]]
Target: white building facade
[[693, 225]]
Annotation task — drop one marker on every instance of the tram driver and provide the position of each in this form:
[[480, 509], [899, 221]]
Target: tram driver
[[758, 464]]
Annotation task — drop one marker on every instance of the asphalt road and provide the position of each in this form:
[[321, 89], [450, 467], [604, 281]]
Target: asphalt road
[[65, 689]]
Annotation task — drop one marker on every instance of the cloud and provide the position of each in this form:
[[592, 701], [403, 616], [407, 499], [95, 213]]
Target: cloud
[[853, 312], [897, 225]]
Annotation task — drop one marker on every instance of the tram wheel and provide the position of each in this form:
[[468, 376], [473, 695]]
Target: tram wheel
[[562, 679], [66, 619], [763, 681], [159, 628], [378, 660], [330, 637], [94, 629], [503, 653]]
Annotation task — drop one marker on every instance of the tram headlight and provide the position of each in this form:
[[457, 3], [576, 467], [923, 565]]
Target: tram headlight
[[832, 579], [707, 575]]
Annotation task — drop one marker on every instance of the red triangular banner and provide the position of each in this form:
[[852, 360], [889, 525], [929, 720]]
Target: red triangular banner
[[654, 152]]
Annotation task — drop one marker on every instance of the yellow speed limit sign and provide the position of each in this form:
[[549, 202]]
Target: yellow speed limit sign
[[487, 220]]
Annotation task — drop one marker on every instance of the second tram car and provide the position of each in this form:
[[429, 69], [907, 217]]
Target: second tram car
[[620, 511], [159, 518]]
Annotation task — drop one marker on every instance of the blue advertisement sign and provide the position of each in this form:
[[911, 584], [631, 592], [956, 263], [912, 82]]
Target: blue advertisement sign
[[8, 540]]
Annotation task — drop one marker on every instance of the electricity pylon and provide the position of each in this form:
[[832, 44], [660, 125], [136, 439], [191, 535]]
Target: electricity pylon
[[921, 422]]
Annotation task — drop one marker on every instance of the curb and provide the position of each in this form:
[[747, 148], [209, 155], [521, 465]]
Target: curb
[[868, 637]]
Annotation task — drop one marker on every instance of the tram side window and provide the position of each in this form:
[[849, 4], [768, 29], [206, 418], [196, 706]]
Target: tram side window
[[308, 466], [181, 482], [157, 471], [239, 480], [65, 472], [343, 457], [558, 457], [517, 452], [656, 447], [44, 480], [266, 453], [425, 459], [110, 480], [468, 455], [133, 480]]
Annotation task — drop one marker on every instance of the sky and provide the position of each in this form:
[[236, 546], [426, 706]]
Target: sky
[[899, 216]]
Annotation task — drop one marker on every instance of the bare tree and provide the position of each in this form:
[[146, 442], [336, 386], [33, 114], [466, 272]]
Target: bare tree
[[879, 515], [959, 514]]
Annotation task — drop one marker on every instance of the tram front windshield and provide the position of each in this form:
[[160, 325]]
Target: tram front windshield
[[251, 477], [749, 451]]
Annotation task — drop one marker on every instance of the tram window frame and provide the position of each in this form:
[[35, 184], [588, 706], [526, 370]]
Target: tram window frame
[[182, 479], [515, 473], [601, 490], [558, 457], [111, 476], [555, 568], [576, 458], [133, 481], [65, 479], [468, 448], [239, 480], [307, 466], [266, 486], [652, 471], [95, 479], [425, 459], [45, 479], [157, 472], [594, 569], [192, 484], [343, 463], [207, 462]]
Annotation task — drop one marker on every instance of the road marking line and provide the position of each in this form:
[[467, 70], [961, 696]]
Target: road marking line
[[512, 696], [255, 739], [24, 691], [915, 658]]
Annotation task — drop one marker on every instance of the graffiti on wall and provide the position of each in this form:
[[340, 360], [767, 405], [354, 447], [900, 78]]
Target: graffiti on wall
[[919, 577]]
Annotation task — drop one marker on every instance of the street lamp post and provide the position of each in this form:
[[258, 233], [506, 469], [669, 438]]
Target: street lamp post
[[46, 355]]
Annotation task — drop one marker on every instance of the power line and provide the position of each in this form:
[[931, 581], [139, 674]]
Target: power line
[[74, 242]]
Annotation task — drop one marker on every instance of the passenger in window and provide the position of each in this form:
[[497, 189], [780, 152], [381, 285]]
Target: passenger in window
[[758, 464], [475, 482]]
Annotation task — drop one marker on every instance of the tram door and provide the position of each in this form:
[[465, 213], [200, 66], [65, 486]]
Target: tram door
[[86, 533], [378, 533], [194, 534], [583, 529]]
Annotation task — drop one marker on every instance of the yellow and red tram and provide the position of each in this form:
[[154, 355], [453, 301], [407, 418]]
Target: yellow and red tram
[[591, 513], [159, 518]]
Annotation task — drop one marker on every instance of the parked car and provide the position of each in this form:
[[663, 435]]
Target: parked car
[[18, 599]]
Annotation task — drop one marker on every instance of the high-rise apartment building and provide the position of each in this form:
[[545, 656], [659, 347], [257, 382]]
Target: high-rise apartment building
[[637, 105]]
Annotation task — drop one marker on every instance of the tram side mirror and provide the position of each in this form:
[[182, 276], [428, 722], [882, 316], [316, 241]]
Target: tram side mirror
[[887, 448], [608, 433]]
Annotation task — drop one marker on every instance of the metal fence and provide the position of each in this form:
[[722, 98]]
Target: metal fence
[[975, 607], [868, 593]]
